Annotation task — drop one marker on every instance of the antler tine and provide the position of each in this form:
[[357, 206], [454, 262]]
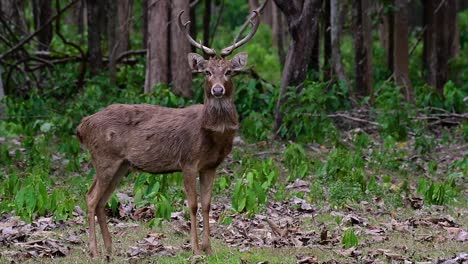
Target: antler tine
[[185, 29], [255, 15]]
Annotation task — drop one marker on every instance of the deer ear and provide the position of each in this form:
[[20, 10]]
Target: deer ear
[[196, 62], [239, 61]]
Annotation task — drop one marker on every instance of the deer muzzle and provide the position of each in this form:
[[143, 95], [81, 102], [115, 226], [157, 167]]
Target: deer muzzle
[[217, 90]]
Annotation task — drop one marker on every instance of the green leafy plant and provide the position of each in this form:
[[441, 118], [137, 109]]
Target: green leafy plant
[[296, 161], [437, 193], [253, 185], [350, 239]]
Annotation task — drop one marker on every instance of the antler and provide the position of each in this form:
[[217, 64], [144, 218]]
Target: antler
[[255, 15], [184, 27]]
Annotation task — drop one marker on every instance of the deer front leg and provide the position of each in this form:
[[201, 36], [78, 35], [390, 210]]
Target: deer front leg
[[206, 188], [190, 183]]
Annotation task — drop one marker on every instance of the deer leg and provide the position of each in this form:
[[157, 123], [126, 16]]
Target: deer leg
[[206, 187], [100, 210], [105, 171], [190, 183], [92, 198]]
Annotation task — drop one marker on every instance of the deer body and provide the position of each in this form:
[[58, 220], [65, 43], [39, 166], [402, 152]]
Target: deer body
[[155, 139]]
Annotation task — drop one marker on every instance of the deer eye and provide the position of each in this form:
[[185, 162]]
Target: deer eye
[[228, 72], [207, 73]]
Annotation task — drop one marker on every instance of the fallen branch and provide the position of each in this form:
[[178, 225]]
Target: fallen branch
[[356, 119]]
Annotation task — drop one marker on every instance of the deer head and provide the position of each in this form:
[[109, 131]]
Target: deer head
[[218, 73], [217, 69]]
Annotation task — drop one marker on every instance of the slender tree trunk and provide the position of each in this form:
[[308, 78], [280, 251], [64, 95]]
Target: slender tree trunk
[[429, 49], [327, 45], [157, 59], [113, 44], [124, 23], [145, 22], [363, 48], [42, 10], [278, 32], [302, 20], [94, 37], [336, 26], [314, 63], [13, 11], [2, 94], [401, 50], [391, 40], [181, 75], [193, 28], [207, 22], [438, 41], [453, 30]]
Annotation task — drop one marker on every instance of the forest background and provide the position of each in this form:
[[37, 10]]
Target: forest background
[[353, 126]]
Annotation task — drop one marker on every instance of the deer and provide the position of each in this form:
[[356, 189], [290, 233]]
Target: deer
[[155, 139]]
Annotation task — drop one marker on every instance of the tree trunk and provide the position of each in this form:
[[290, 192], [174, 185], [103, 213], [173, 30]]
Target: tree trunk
[[124, 23], [438, 41], [279, 32], [157, 59], [314, 63], [145, 22], [302, 20], [207, 22], [94, 37], [363, 48], [42, 10], [453, 31], [193, 29], [181, 75], [113, 44], [2, 94], [13, 11], [336, 26], [401, 50], [327, 46], [391, 40]]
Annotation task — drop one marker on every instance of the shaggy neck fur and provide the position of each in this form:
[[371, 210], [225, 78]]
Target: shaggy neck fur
[[219, 115]]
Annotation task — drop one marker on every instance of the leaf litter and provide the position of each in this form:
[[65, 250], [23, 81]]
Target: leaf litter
[[280, 225]]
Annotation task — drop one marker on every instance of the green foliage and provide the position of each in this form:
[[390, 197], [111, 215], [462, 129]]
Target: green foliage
[[437, 193], [253, 184], [350, 239], [156, 189], [394, 114], [256, 127], [296, 161], [305, 112], [31, 197]]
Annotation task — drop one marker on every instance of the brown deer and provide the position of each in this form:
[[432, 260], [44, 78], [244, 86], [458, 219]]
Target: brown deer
[[155, 139]]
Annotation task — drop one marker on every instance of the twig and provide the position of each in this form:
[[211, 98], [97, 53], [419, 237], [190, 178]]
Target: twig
[[130, 53], [275, 228], [28, 38], [356, 119]]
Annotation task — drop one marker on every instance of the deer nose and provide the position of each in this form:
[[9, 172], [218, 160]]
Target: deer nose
[[217, 91]]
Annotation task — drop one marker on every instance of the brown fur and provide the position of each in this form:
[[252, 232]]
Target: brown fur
[[155, 139]]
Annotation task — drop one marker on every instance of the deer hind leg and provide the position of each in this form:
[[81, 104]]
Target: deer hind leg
[[190, 183], [100, 209], [105, 171], [206, 188]]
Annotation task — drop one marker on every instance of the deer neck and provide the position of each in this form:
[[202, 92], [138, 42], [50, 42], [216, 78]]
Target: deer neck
[[219, 115]]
